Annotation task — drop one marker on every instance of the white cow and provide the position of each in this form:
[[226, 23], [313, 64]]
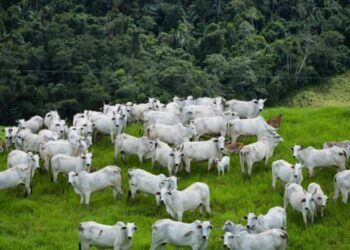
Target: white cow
[[342, 185], [47, 135], [59, 127], [275, 218], [223, 164], [343, 144], [141, 180], [84, 126], [246, 109], [18, 157], [85, 183], [28, 141], [200, 111], [12, 177], [50, 117], [72, 147], [108, 125], [286, 172], [319, 197], [258, 151], [171, 134], [165, 156], [34, 124], [214, 125], [117, 236], [300, 200], [137, 111], [310, 157], [253, 126], [194, 235], [202, 151], [270, 240], [177, 202], [127, 144], [230, 226], [10, 135], [62, 163]]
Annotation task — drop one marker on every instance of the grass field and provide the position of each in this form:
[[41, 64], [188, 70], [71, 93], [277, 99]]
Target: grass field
[[48, 219]]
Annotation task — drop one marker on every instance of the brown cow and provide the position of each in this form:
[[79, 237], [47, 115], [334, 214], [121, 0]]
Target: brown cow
[[276, 121], [233, 147]]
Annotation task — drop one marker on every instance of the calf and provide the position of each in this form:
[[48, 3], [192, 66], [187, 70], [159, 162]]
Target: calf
[[233, 228], [342, 185], [319, 197], [286, 172], [166, 156], [275, 218], [310, 157], [34, 124], [85, 183], [223, 164], [202, 151], [18, 157], [117, 236], [300, 200], [246, 109], [12, 177], [269, 240], [261, 150], [253, 126], [275, 121], [141, 180], [62, 163], [171, 134], [194, 235], [125, 143], [177, 202]]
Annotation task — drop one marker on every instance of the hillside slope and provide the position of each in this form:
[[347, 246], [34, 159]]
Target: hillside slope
[[332, 92]]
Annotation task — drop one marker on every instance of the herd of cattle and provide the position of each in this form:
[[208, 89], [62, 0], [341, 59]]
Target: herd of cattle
[[171, 136]]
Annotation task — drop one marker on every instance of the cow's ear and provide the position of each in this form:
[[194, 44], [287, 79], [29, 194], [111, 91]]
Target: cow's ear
[[216, 140], [245, 217], [222, 237], [303, 200], [291, 148], [171, 154], [188, 233], [3, 130], [199, 226], [124, 227]]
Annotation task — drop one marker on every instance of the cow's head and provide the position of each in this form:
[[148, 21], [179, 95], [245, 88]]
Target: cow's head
[[129, 229], [298, 174], [72, 176], [176, 157], [87, 159], [220, 143], [252, 220], [307, 202], [228, 240], [228, 226], [206, 229], [297, 150]]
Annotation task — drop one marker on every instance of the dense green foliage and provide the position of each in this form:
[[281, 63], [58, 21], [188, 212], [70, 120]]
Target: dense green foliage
[[48, 219], [70, 55]]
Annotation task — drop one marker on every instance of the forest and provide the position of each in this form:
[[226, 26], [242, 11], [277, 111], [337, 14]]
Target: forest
[[72, 55]]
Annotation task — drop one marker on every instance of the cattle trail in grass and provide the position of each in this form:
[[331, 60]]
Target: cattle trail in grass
[[49, 217]]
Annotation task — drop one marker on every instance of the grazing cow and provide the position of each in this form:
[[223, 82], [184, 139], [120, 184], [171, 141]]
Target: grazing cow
[[214, 125], [246, 109], [59, 127], [194, 235], [223, 164], [310, 157], [254, 126], [202, 151], [342, 185], [34, 124], [258, 151], [230, 226], [286, 172], [319, 197], [117, 236], [300, 200], [177, 202], [125, 143], [108, 125], [61, 163], [19, 174], [233, 147], [171, 134], [85, 183], [344, 144], [141, 180], [51, 117], [10, 135], [72, 147], [270, 240], [275, 218], [166, 156], [18, 157], [275, 121]]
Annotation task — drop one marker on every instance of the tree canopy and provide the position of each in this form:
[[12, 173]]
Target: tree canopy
[[72, 55]]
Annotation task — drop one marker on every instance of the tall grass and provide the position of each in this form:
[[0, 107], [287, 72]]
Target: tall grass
[[48, 219]]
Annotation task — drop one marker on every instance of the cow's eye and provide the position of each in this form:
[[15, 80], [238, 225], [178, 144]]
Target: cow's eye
[[319, 198], [57, 124]]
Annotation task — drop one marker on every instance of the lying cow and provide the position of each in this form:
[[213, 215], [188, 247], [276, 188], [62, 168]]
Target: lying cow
[[310, 157], [117, 236], [85, 183], [194, 235]]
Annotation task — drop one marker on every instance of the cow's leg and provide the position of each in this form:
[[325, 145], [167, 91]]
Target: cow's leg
[[210, 163], [234, 137], [266, 162], [81, 198], [179, 215], [116, 153], [305, 218], [132, 192], [311, 172], [274, 177], [188, 165], [87, 197], [345, 194], [123, 157], [336, 193], [140, 158]]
